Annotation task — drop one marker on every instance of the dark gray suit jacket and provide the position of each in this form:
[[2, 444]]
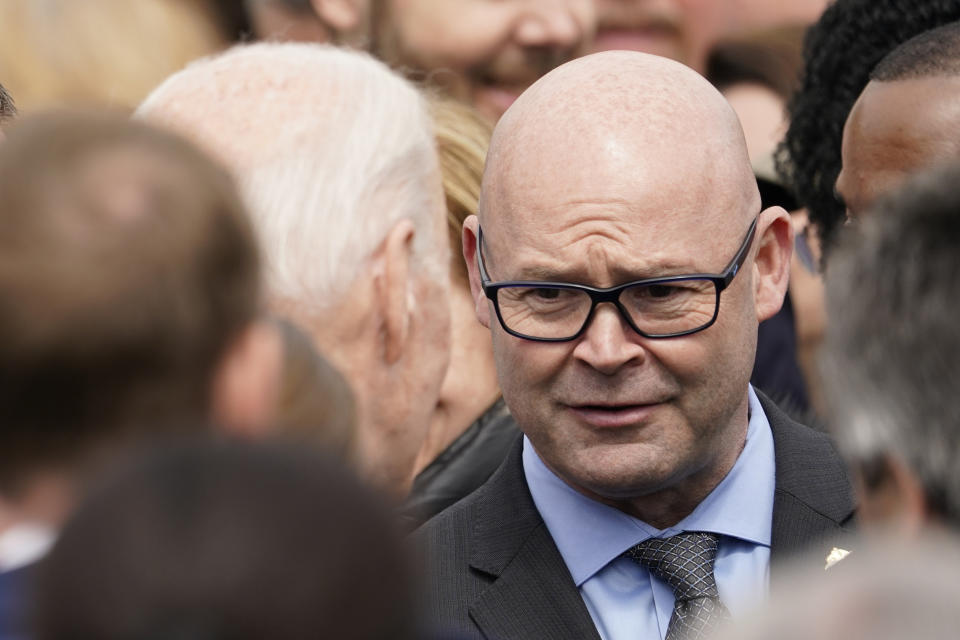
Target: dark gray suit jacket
[[494, 571]]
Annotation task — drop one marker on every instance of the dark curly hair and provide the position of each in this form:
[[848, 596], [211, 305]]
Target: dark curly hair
[[840, 51]]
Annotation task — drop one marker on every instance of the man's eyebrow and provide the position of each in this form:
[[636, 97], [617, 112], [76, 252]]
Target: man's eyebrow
[[662, 268]]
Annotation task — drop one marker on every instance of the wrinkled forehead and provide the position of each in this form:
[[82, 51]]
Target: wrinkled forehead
[[657, 185]]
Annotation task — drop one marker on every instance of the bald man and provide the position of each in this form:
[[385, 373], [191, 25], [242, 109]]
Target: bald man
[[622, 263]]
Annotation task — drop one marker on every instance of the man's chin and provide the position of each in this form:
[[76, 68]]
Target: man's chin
[[610, 473]]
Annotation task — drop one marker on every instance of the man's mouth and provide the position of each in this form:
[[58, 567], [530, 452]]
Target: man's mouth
[[611, 416]]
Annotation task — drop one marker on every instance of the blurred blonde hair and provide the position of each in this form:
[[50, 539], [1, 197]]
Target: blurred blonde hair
[[99, 52], [463, 137]]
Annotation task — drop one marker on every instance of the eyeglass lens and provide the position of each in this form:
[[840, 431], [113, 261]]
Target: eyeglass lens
[[654, 308]]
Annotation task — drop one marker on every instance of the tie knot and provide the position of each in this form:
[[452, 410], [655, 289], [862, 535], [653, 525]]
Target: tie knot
[[684, 561]]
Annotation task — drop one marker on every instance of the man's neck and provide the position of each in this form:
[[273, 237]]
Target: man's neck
[[666, 507]]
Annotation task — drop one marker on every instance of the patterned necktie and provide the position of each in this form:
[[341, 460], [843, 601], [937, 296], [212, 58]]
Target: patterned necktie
[[685, 562]]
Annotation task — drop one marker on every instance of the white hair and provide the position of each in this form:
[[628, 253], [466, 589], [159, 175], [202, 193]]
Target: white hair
[[331, 149]]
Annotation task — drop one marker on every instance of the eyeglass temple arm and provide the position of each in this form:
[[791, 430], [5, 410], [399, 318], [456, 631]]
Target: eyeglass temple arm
[[734, 267], [484, 276]]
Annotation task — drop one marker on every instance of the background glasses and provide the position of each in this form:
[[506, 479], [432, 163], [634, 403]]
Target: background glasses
[[654, 307]]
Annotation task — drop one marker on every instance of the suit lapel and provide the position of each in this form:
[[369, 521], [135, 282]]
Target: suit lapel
[[532, 594], [813, 506]]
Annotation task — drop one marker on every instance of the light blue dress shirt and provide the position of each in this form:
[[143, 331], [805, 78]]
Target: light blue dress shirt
[[625, 601]]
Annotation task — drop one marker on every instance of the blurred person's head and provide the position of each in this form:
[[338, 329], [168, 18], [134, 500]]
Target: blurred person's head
[[336, 157], [335, 21], [227, 540], [840, 51], [314, 402], [470, 384], [129, 281], [907, 119], [891, 354], [686, 30], [61, 53], [480, 51], [890, 590]]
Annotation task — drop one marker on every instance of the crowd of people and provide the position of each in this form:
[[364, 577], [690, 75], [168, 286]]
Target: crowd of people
[[475, 319]]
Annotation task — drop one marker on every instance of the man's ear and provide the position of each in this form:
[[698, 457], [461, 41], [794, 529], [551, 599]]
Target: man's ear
[[771, 266], [471, 227], [392, 288], [340, 15], [247, 383]]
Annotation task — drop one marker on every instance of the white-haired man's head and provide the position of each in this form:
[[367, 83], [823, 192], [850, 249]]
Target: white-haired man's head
[[336, 159]]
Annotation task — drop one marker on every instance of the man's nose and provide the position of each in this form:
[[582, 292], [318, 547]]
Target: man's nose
[[555, 23], [609, 343]]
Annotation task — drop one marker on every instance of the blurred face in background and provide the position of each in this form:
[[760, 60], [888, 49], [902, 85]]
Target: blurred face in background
[[682, 30], [753, 14], [685, 30], [483, 51], [340, 22]]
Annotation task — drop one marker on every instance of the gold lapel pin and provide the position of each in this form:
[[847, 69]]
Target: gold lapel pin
[[836, 555]]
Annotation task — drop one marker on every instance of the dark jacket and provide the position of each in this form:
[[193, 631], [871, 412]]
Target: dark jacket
[[462, 467], [494, 571]]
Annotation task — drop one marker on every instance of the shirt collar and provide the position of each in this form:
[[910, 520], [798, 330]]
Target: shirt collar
[[590, 534]]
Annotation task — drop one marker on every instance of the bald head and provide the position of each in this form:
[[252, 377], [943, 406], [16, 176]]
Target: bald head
[[621, 116], [329, 146]]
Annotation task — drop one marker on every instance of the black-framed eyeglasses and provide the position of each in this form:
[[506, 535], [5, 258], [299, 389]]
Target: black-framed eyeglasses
[[654, 307]]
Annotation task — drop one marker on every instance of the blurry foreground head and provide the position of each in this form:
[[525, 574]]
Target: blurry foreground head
[[129, 281], [892, 351], [888, 591], [227, 541], [907, 119], [336, 157]]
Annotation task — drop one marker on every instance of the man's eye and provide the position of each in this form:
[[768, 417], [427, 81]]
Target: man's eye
[[661, 291], [546, 294]]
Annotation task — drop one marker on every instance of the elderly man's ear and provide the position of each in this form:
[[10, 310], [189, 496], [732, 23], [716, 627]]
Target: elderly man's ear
[[771, 267], [471, 227]]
